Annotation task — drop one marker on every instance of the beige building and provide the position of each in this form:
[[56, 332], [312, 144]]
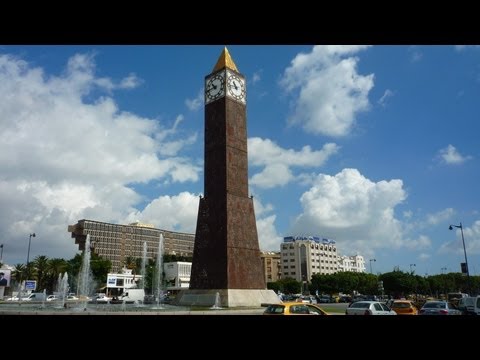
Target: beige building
[[117, 242], [304, 256], [271, 265]]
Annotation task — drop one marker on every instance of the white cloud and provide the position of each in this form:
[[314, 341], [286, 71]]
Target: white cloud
[[331, 93], [424, 257], [387, 94], [278, 161], [451, 156], [465, 47], [178, 213], [472, 241], [423, 242], [356, 211], [256, 77], [195, 103], [440, 216], [130, 82], [63, 158], [415, 53], [268, 237]]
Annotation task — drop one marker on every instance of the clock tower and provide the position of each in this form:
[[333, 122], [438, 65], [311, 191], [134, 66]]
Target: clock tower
[[226, 257]]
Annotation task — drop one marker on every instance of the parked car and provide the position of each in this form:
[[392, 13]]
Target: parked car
[[369, 308], [101, 298], [294, 308], [52, 298], [404, 307], [439, 308]]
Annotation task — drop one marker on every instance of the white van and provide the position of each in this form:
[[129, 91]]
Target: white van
[[133, 296], [469, 305]]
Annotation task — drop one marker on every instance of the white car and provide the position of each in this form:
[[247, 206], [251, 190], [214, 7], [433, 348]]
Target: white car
[[52, 298], [369, 308]]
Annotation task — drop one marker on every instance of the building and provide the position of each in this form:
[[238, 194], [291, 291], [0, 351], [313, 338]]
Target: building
[[177, 275], [117, 242], [354, 263], [117, 283], [304, 256], [271, 265]]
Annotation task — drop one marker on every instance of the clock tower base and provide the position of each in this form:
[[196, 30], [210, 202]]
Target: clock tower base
[[227, 297]]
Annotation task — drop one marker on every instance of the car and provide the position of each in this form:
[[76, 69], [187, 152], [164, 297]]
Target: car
[[404, 307], [52, 298], [439, 308], [101, 298], [368, 308], [294, 308]]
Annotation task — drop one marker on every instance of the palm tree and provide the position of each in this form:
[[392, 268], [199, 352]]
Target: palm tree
[[41, 265], [130, 262], [18, 273], [55, 267]]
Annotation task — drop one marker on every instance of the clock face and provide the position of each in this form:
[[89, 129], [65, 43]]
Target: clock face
[[215, 87], [236, 87]]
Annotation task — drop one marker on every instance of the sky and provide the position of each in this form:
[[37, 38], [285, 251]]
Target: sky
[[375, 147]]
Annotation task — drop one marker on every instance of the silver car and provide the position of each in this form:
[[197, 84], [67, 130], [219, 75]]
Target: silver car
[[438, 308], [369, 308]]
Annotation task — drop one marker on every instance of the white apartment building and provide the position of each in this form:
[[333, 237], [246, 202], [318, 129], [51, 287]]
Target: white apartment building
[[354, 263], [304, 256]]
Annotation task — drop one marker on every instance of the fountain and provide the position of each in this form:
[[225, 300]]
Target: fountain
[[84, 276], [159, 273], [44, 298], [217, 304], [144, 264], [63, 289]]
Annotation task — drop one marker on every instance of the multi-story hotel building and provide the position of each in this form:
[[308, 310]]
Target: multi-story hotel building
[[116, 242], [271, 265], [304, 256], [354, 263]]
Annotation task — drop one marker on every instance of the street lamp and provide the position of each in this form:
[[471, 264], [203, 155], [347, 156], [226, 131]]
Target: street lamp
[[411, 267], [371, 272], [465, 252], [28, 254]]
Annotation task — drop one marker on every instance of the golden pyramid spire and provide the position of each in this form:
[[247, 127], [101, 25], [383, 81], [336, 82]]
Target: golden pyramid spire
[[225, 60]]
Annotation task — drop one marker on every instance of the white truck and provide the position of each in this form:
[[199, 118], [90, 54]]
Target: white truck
[[130, 296], [34, 297]]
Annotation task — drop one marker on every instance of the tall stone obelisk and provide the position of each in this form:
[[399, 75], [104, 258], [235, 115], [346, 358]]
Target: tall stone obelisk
[[226, 257]]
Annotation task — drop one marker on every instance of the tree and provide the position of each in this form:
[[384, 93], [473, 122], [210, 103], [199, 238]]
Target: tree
[[18, 273], [100, 268], [287, 286], [130, 262], [41, 266], [56, 267]]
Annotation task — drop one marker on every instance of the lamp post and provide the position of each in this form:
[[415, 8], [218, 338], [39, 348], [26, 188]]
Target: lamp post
[[371, 272], [1, 253], [28, 254], [411, 267], [465, 253]]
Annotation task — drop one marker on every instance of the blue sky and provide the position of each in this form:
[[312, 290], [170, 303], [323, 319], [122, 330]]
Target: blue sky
[[373, 146]]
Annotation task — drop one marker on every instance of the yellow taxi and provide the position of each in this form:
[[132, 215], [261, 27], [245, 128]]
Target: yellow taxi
[[404, 307], [294, 308]]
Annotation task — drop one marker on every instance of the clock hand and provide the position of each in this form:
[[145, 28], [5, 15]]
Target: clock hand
[[235, 85]]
